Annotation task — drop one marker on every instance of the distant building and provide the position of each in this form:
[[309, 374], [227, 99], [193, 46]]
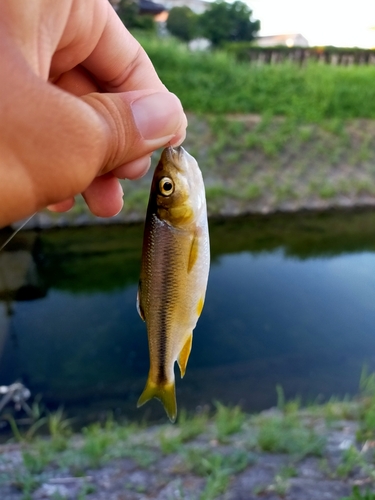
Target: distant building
[[197, 6], [289, 40], [145, 7], [151, 8]]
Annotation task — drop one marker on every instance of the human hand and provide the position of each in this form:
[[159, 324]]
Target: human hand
[[80, 106]]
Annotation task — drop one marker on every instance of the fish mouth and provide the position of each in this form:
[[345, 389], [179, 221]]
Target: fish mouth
[[175, 154]]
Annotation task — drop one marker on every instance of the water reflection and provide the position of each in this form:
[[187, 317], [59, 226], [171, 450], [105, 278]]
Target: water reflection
[[291, 300]]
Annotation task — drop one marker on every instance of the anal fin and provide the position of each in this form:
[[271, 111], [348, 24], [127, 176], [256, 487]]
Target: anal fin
[[184, 355]]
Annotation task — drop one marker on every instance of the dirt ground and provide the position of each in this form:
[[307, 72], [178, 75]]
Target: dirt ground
[[169, 476]]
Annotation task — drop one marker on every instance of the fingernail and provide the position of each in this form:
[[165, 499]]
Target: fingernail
[[158, 115]]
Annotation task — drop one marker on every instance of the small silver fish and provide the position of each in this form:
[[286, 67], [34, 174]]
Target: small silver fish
[[174, 272]]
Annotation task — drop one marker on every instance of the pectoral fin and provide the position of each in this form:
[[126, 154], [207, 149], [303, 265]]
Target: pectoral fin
[[193, 256], [184, 355]]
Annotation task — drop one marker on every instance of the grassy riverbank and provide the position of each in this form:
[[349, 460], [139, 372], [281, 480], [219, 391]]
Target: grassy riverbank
[[267, 137], [254, 164], [288, 452], [214, 82]]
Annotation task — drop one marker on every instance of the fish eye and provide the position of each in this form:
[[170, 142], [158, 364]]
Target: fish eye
[[166, 186]]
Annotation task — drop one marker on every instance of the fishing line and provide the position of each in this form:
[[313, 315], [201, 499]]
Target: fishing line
[[16, 231]]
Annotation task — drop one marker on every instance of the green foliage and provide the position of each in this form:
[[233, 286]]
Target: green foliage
[[128, 11], [182, 22], [228, 420], [228, 22], [288, 434], [367, 409], [357, 494], [351, 460], [216, 83], [188, 427], [280, 484], [96, 443], [288, 407], [26, 483], [192, 426], [218, 468], [203, 462]]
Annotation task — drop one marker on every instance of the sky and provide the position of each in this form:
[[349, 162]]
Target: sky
[[322, 22]]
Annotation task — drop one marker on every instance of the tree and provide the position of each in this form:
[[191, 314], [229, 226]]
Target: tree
[[228, 22], [182, 22], [128, 12]]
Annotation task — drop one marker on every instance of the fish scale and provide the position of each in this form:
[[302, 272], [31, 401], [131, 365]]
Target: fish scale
[[174, 271]]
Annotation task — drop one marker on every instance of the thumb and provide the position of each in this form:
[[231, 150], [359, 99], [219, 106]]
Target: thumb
[[136, 123], [54, 144]]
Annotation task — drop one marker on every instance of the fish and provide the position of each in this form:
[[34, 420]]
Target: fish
[[174, 271]]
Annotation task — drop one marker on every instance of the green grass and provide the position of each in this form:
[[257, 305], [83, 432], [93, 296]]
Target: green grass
[[217, 467], [289, 434], [215, 447], [357, 494], [188, 427], [228, 421], [213, 82]]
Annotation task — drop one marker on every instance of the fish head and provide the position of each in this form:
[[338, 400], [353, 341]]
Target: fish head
[[177, 188]]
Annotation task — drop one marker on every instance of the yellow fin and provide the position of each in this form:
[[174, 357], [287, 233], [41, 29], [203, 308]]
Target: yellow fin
[[200, 306], [139, 307], [193, 253], [164, 393], [184, 355]]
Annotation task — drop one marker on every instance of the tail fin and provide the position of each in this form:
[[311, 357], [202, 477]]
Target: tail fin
[[165, 393]]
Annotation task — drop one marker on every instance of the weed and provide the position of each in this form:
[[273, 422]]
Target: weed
[[59, 496], [215, 192], [85, 490], [252, 191], [216, 484], [204, 462], [25, 482], [351, 460], [228, 420], [367, 382], [34, 461], [358, 495], [367, 408], [288, 471], [288, 407], [169, 443], [281, 485], [288, 434], [188, 428], [59, 429], [96, 444], [328, 190], [30, 433], [192, 426], [235, 128], [142, 456], [336, 409]]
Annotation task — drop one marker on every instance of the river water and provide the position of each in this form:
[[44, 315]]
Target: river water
[[290, 301]]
